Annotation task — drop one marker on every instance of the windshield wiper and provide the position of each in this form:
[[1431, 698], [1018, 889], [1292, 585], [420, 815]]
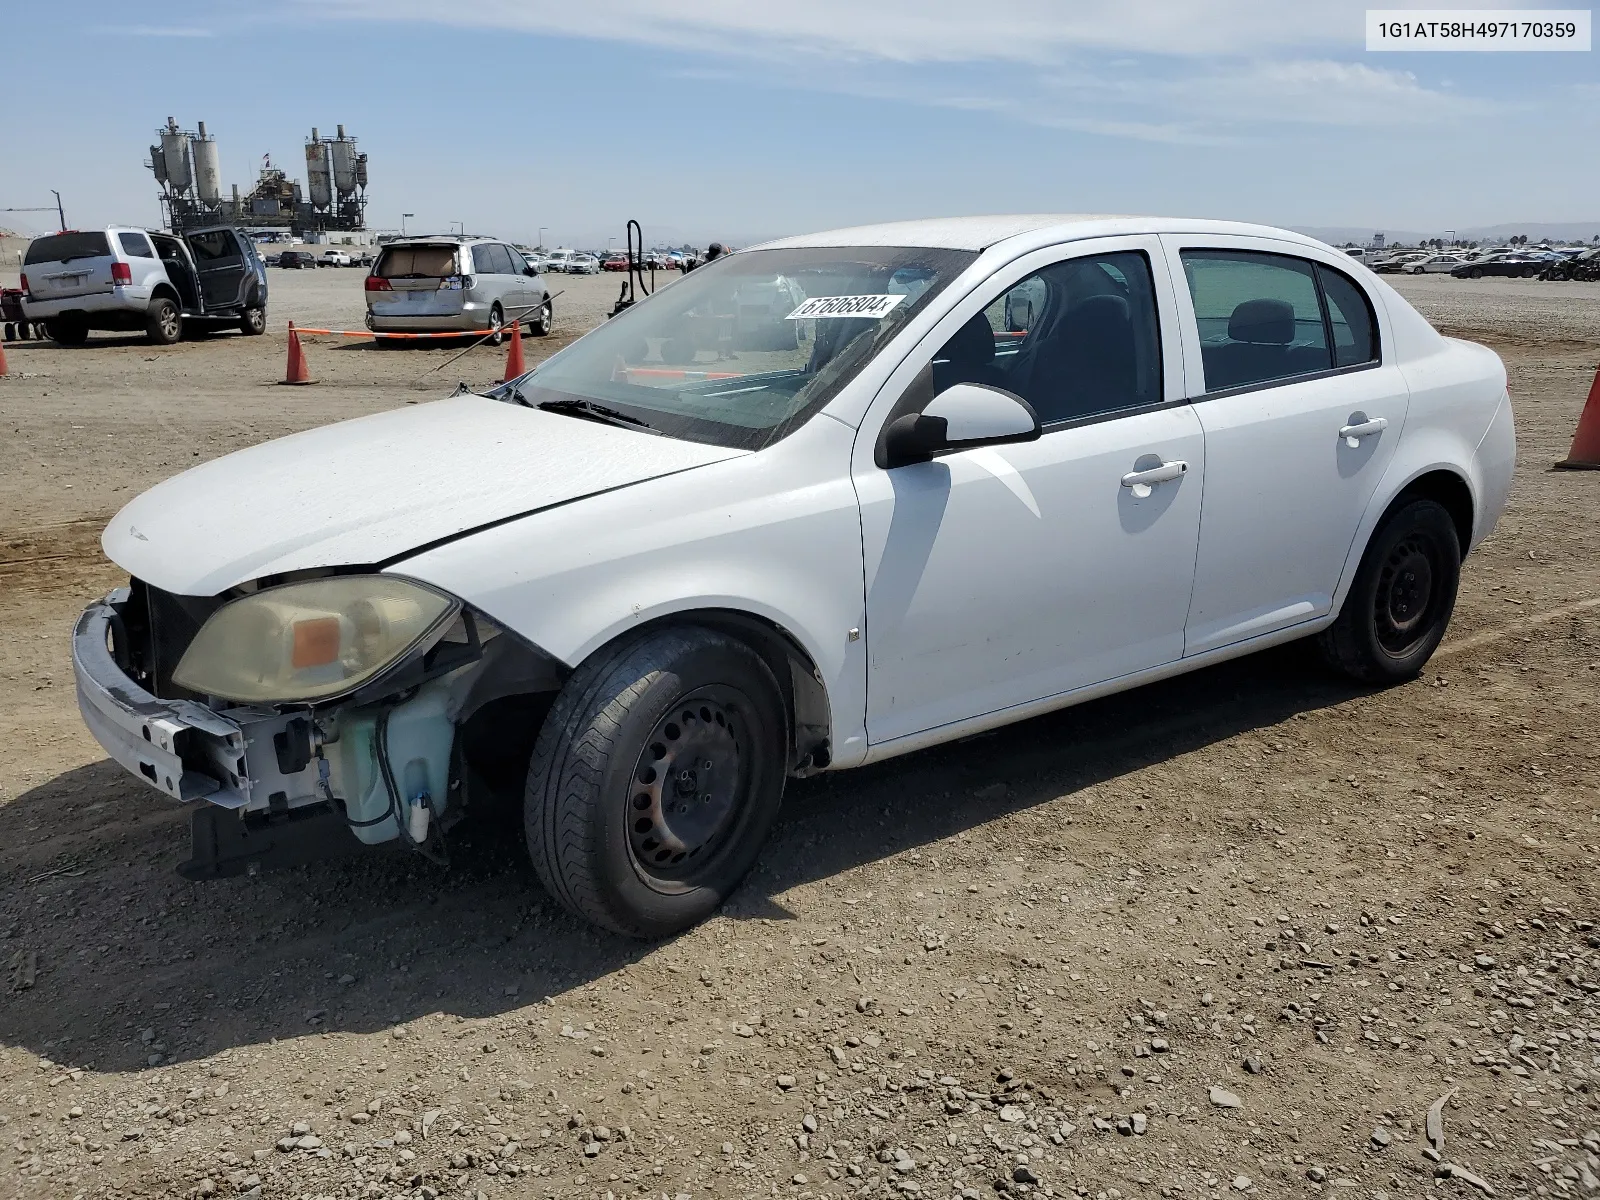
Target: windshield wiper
[[591, 410]]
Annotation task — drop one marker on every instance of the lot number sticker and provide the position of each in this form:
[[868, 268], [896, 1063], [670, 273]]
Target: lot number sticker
[[821, 307]]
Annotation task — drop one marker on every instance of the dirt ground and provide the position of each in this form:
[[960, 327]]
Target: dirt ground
[[1228, 935]]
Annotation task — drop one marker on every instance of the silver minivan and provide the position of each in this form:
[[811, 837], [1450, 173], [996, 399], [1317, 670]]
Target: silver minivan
[[446, 284]]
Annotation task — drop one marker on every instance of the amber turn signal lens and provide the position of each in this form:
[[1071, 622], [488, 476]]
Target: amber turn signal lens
[[316, 642]]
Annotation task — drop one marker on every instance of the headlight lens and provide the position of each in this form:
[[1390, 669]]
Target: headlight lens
[[309, 641]]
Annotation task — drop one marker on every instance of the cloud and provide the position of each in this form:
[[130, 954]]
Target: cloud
[[153, 31], [1152, 70]]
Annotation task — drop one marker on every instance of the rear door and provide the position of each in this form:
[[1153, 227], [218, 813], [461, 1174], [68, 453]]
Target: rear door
[[220, 259], [68, 265], [419, 279], [1302, 406]]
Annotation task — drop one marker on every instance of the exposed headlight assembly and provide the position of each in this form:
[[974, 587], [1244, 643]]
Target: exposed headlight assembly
[[303, 642]]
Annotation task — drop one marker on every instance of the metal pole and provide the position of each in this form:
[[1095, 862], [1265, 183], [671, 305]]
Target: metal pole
[[542, 228], [60, 212], [403, 217]]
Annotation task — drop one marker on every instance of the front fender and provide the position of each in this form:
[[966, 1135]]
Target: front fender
[[776, 535]]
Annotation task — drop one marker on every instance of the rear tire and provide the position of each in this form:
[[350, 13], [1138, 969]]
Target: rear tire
[[497, 321], [655, 779], [164, 325], [65, 331], [1400, 603], [1475, 273], [253, 322]]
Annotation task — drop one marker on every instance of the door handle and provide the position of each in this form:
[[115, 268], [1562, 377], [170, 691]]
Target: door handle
[[1165, 473], [1352, 434]]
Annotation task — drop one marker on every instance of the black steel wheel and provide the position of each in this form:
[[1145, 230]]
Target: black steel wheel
[[1400, 601], [655, 779]]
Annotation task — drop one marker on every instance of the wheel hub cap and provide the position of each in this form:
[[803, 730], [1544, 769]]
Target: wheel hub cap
[[686, 787]]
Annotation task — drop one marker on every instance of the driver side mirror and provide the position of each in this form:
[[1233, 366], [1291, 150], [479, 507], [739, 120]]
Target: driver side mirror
[[962, 416], [530, 271]]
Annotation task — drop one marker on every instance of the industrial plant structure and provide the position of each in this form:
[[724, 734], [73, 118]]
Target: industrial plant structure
[[185, 164]]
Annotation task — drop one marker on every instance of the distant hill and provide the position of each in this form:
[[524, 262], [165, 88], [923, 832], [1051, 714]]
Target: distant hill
[[1536, 230]]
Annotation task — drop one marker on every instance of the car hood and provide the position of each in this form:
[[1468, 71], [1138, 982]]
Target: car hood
[[369, 490]]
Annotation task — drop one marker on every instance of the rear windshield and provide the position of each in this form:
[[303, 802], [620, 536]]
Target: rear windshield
[[417, 262], [63, 247]]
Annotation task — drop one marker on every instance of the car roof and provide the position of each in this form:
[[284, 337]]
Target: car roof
[[454, 238], [980, 233]]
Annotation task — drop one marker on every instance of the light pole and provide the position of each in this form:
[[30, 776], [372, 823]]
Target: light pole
[[463, 225], [542, 228], [60, 212], [403, 219]]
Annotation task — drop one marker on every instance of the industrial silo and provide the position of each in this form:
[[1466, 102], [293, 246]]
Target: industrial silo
[[158, 164], [175, 153], [344, 163], [207, 173], [318, 173]]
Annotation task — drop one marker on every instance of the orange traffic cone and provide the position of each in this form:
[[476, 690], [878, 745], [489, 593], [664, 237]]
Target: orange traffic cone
[[514, 364], [1585, 452], [3, 367], [297, 371]]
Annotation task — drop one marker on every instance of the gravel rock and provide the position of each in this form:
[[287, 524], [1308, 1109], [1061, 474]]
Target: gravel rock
[[1223, 1098]]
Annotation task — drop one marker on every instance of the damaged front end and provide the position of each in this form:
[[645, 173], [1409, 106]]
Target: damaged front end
[[312, 719]]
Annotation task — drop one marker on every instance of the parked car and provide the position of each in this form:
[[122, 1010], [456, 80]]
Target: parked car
[[271, 260], [439, 284], [582, 264], [615, 262], [122, 278], [334, 258], [1584, 265], [638, 598], [1433, 264], [364, 259], [1398, 263], [297, 260], [1515, 266]]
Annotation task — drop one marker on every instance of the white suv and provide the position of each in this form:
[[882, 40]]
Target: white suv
[[122, 278]]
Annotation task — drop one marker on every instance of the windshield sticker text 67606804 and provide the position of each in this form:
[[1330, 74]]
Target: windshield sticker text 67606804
[[820, 307]]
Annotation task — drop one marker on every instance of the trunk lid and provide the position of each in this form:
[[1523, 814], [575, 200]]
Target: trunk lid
[[424, 280], [67, 265]]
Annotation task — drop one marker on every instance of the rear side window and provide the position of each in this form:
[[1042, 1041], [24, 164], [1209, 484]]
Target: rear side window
[[135, 245], [1355, 330], [491, 259], [1259, 315], [213, 245], [417, 262], [64, 247]]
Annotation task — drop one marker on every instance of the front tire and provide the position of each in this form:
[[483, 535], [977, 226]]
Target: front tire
[[655, 779], [541, 325], [1400, 603], [164, 325]]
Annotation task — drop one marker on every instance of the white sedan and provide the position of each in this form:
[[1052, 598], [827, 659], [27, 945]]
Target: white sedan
[[1003, 465], [1434, 264]]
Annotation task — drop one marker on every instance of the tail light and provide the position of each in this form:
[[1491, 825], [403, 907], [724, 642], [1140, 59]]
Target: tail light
[[377, 283], [121, 273], [466, 283], [25, 286]]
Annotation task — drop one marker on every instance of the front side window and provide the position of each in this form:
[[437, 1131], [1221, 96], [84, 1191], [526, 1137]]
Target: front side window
[[745, 349], [1077, 339], [1259, 315]]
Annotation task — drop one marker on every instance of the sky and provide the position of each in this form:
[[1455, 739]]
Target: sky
[[739, 120]]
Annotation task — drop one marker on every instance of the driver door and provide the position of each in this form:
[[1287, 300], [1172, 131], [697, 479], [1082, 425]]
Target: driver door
[[1001, 575]]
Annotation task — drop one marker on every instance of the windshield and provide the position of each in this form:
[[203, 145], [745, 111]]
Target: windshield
[[742, 351]]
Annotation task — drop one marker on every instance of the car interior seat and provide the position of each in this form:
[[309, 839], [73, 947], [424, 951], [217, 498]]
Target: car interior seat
[[1087, 363]]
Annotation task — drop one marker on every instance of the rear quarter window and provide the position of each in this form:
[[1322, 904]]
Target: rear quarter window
[[63, 247]]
